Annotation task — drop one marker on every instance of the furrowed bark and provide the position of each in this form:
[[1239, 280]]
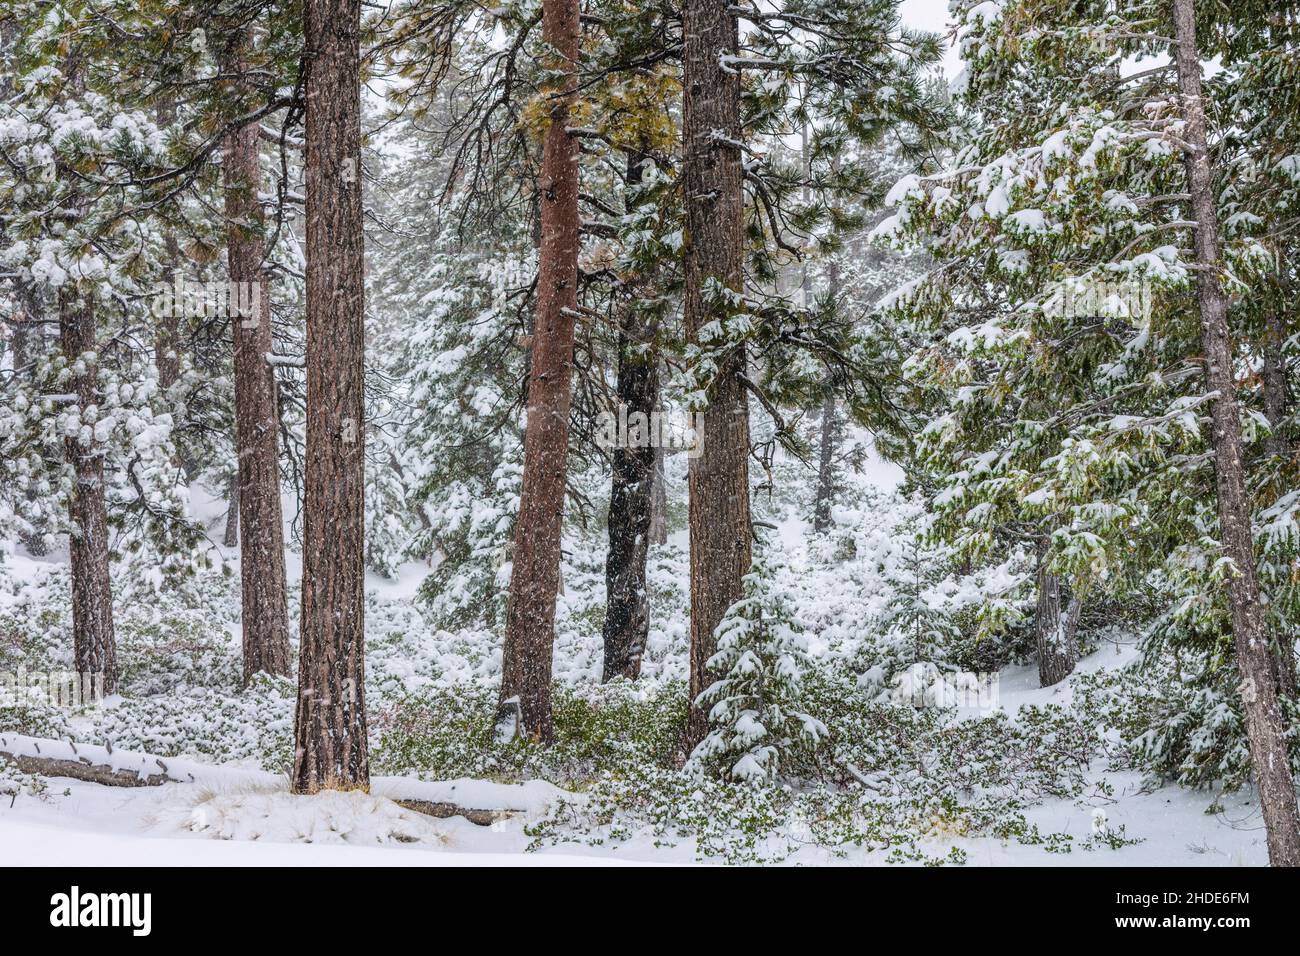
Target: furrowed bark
[[1268, 749], [265, 618], [714, 197], [631, 497], [1053, 633], [331, 751], [93, 641], [535, 577]]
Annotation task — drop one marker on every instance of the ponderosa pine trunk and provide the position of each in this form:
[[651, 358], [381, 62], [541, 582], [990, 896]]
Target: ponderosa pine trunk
[[1268, 750], [166, 342], [525, 700], [714, 199], [331, 751], [1054, 632], [265, 618], [93, 641], [631, 496]]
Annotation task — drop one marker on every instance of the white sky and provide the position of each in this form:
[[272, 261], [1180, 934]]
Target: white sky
[[931, 15]]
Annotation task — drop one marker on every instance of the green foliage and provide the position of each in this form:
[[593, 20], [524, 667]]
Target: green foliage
[[14, 782], [756, 721], [253, 726]]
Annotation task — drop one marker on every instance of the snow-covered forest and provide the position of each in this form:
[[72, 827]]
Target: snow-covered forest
[[699, 431]]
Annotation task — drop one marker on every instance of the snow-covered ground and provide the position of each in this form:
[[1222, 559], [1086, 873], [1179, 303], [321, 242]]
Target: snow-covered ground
[[235, 817]]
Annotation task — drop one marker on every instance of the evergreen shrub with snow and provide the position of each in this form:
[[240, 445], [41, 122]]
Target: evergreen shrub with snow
[[757, 723]]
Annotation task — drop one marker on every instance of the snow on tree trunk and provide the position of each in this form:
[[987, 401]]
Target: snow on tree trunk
[[1053, 633], [631, 497], [714, 197], [93, 642], [330, 721], [1268, 750], [535, 575], [265, 617]]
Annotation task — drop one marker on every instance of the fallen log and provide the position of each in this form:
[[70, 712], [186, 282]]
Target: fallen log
[[81, 767], [484, 818], [92, 764]]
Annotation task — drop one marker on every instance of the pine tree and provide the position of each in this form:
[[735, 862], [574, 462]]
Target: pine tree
[[265, 619], [530, 619], [1060, 312], [1264, 726], [713, 254], [331, 751]]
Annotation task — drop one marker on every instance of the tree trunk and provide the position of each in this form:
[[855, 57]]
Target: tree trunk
[[659, 502], [265, 618], [631, 497], [1054, 634], [93, 641], [330, 723], [714, 198], [1268, 749], [534, 581]]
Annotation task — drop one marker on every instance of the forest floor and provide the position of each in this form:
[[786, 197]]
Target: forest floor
[[239, 812], [241, 823]]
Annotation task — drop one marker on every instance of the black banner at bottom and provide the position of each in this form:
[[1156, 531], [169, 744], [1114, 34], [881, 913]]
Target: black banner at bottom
[[331, 907]]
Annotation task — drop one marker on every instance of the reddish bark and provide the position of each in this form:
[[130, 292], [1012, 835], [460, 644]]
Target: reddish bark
[[714, 197], [265, 617], [93, 640], [535, 576], [330, 723]]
